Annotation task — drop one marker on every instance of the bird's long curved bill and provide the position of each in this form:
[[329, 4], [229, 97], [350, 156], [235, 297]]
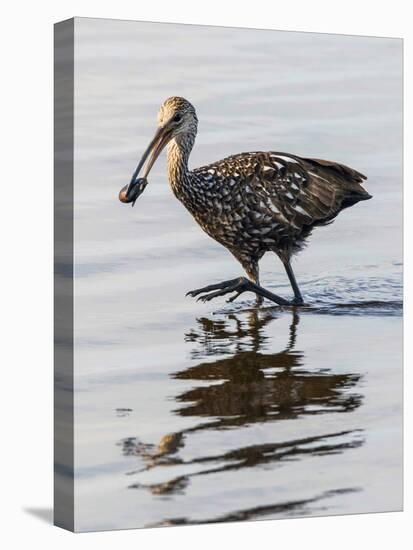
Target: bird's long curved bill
[[153, 151]]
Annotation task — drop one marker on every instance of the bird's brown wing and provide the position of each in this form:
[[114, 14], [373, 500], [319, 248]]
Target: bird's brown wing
[[296, 192]]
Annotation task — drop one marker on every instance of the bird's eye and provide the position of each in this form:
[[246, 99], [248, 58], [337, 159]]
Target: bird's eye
[[177, 118]]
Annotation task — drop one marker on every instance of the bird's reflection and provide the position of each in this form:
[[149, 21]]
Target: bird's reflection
[[237, 384]]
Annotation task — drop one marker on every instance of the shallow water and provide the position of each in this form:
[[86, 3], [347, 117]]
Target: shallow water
[[188, 412]]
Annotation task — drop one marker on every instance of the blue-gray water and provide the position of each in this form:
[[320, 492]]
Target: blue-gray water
[[187, 412]]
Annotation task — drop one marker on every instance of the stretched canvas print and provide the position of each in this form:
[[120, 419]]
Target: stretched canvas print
[[228, 274]]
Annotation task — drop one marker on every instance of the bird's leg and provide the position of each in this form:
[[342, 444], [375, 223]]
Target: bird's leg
[[298, 299], [258, 300], [238, 285], [252, 269]]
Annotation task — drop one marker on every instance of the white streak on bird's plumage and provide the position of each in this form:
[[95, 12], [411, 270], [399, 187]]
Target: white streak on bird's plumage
[[288, 159]]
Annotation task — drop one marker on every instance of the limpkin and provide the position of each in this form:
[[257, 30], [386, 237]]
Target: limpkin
[[251, 203]]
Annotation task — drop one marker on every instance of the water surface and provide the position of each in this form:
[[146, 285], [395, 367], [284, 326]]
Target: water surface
[[189, 412]]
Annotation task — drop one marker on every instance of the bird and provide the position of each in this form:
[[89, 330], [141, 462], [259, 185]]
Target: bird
[[251, 203]]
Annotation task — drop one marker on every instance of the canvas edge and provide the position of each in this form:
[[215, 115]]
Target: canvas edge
[[63, 275]]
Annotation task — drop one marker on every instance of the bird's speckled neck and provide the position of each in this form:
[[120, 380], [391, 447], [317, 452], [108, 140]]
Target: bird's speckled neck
[[179, 149]]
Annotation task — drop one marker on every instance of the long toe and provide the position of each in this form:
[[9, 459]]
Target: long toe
[[211, 295], [209, 288]]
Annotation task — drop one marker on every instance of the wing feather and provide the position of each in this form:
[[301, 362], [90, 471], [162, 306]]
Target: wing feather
[[293, 191]]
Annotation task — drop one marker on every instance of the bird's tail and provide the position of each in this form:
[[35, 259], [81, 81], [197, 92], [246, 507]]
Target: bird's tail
[[348, 179]]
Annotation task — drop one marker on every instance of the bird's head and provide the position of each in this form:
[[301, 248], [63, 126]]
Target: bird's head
[[176, 120], [178, 116]]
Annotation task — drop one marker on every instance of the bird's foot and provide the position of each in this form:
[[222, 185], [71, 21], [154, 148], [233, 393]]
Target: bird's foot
[[238, 285]]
